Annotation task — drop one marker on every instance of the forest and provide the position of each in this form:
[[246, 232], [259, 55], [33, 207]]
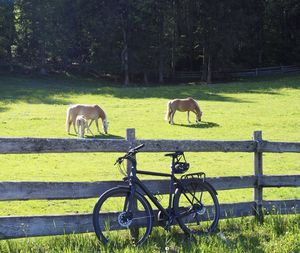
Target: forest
[[147, 40]]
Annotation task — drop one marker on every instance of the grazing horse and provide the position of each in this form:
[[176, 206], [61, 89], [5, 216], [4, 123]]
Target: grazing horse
[[90, 112], [183, 105], [82, 125]]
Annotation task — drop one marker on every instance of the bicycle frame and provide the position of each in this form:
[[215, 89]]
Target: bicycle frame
[[135, 183], [134, 210]]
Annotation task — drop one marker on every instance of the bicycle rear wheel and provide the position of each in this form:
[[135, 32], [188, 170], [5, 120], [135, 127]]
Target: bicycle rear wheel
[[113, 221], [196, 207]]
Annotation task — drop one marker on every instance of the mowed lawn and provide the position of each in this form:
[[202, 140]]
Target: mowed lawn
[[36, 107]]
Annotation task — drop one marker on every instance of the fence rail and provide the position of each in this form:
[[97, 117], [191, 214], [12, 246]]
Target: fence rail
[[265, 71], [23, 226], [82, 190], [55, 145]]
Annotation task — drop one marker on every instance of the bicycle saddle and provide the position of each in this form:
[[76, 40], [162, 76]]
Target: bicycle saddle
[[175, 154]]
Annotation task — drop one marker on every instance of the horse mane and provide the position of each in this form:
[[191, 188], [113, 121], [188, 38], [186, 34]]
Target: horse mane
[[101, 112], [197, 107]]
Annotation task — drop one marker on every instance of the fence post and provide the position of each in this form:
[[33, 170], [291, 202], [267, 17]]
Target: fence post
[[130, 136], [258, 172]]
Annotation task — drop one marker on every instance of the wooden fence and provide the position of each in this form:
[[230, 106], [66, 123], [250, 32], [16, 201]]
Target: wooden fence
[[27, 226], [266, 71]]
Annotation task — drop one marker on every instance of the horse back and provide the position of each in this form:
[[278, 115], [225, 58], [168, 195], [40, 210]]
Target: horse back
[[88, 111], [188, 104]]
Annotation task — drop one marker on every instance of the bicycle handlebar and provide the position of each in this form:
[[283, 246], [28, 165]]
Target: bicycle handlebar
[[130, 153], [134, 150]]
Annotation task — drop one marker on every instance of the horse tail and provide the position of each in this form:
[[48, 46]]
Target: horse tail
[[169, 110], [68, 120]]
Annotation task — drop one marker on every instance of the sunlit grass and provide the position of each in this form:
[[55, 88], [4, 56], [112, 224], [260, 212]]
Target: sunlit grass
[[278, 234], [36, 107]]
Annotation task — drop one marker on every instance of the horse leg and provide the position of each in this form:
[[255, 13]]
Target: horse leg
[[96, 121], [169, 116], [88, 129], [91, 122], [74, 125], [172, 117], [68, 126], [188, 116]]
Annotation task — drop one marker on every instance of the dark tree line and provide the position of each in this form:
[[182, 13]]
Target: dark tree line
[[147, 40]]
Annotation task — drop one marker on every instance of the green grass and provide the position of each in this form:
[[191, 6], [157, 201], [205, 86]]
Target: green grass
[[279, 234], [36, 107]]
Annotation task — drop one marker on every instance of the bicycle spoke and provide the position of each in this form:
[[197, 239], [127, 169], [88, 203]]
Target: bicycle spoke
[[196, 216], [111, 216]]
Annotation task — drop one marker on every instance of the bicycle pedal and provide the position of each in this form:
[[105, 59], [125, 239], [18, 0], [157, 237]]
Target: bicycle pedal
[[160, 216], [168, 225]]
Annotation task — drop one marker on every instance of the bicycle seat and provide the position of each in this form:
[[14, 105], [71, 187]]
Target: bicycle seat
[[175, 154]]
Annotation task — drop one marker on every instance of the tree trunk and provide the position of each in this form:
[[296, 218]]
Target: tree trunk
[[160, 13], [125, 65], [43, 70], [209, 70], [161, 66], [11, 33], [145, 77], [204, 65], [173, 51], [125, 29]]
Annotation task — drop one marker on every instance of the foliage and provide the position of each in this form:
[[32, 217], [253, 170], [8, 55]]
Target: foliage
[[147, 40]]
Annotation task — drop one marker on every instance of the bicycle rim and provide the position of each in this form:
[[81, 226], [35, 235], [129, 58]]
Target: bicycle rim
[[196, 208], [114, 222]]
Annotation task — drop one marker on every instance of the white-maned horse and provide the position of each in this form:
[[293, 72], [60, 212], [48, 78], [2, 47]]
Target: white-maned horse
[[183, 105], [82, 125], [90, 112]]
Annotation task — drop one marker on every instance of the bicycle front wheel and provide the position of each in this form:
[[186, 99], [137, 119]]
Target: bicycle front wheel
[[196, 207], [113, 221]]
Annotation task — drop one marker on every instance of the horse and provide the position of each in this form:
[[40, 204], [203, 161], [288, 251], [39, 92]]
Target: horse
[[82, 125], [90, 112], [183, 105]]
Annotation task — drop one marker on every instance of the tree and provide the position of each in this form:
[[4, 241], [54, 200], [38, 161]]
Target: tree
[[7, 32]]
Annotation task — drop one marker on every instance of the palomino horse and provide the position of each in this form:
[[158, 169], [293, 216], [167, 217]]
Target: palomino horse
[[82, 125], [183, 105], [90, 112]]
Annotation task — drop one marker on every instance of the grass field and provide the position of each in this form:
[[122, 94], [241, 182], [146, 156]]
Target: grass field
[[279, 234], [36, 107]]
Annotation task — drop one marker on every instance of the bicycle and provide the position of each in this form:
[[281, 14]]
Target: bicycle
[[193, 203]]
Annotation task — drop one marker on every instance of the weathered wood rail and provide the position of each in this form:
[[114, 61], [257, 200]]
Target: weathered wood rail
[[23, 226], [265, 71]]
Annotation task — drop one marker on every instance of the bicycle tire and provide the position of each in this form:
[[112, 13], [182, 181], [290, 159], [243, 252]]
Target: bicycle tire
[[201, 212], [108, 225]]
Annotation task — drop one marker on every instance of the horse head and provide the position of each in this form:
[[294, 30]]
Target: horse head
[[105, 125], [198, 116]]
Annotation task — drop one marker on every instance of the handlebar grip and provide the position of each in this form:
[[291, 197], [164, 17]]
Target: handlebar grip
[[135, 149], [139, 147], [119, 160]]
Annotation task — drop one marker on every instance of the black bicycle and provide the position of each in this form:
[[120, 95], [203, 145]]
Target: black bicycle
[[193, 203]]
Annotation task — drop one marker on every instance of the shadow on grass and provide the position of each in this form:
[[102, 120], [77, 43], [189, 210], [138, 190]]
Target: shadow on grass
[[104, 137], [202, 124], [245, 243], [53, 90], [100, 136], [3, 109]]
